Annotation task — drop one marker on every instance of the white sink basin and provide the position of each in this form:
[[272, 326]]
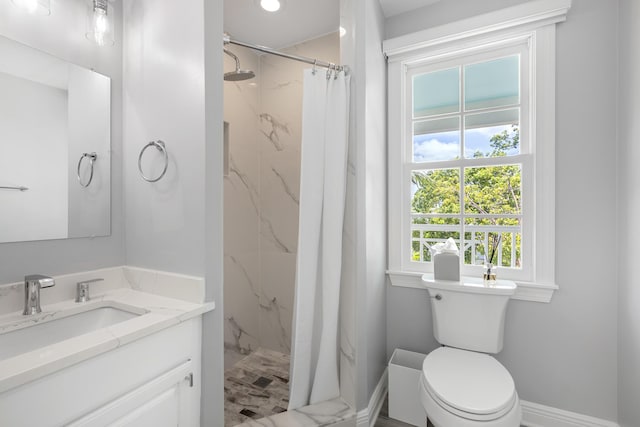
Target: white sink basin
[[46, 332]]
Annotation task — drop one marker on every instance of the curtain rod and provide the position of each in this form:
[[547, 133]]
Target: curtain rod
[[226, 38]]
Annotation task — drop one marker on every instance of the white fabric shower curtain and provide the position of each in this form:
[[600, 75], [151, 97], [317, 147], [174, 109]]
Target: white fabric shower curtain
[[325, 124]]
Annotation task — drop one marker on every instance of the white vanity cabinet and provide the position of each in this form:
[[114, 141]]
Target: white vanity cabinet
[[152, 381], [164, 401]]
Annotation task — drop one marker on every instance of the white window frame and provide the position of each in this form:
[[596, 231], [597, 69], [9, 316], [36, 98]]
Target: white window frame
[[533, 23], [524, 158]]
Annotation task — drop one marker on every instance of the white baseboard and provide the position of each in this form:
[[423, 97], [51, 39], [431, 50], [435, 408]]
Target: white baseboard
[[377, 398], [368, 416], [533, 414], [536, 415]]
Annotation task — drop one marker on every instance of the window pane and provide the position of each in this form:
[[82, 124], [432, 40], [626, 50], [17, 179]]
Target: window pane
[[493, 134], [493, 190], [437, 139], [492, 84], [435, 191], [426, 232], [481, 239], [437, 92], [474, 247]]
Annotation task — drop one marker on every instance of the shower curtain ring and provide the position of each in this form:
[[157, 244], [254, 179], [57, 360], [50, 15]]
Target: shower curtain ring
[[329, 70], [315, 63], [335, 72]]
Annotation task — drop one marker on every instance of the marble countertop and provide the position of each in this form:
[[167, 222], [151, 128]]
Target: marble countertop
[[155, 313]]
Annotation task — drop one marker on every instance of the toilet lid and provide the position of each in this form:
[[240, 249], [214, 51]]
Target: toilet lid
[[474, 383]]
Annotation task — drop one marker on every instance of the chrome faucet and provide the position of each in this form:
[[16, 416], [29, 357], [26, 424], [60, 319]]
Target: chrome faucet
[[32, 285]]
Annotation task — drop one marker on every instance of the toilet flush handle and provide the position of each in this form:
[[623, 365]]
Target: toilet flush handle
[[438, 297]]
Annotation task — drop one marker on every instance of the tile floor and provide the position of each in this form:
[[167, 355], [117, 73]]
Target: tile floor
[[257, 393], [256, 386], [384, 420]]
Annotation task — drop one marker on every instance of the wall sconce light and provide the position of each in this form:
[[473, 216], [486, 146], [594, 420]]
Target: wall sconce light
[[36, 7], [99, 22]]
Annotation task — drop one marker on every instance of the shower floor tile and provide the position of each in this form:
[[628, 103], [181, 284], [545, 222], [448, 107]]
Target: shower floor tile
[[256, 386]]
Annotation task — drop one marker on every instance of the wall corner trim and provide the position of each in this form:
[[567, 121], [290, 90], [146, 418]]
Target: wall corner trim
[[536, 415]]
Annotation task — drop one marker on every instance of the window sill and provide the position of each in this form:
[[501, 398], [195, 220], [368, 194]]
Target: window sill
[[526, 291]]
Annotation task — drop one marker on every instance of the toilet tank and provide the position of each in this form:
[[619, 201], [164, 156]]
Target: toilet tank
[[468, 314]]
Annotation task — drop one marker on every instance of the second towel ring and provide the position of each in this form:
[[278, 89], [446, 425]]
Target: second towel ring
[[160, 146], [92, 158]]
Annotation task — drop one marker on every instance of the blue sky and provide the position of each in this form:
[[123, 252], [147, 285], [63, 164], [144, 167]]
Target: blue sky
[[446, 145]]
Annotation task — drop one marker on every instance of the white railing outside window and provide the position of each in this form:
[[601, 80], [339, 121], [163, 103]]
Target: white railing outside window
[[474, 245]]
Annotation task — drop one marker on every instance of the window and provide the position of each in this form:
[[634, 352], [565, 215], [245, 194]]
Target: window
[[472, 146], [467, 158]]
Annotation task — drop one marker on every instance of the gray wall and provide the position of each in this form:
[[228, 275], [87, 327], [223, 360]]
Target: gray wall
[[628, 228], [173, 92], [374, 190], [212, 404], [350, 367], [176, 223], [363, 54], [62, 34], [164, 99], [562, 354]]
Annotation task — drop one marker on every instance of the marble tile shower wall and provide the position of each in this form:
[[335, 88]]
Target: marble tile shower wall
[[242, 207], [262, 194]]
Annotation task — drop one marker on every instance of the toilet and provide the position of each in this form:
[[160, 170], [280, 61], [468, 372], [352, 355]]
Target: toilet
[[461, 384]]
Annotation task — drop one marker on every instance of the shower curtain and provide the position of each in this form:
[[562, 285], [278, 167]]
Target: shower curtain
[[314, 353]]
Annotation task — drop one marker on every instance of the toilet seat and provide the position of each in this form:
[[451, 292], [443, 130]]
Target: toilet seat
[[470, 385]]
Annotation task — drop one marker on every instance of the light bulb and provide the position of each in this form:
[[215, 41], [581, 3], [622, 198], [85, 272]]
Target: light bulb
[[270, 5], [99, 25]]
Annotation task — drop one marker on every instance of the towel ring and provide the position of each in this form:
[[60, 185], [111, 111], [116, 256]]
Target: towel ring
[[92, 158], [161, 147]]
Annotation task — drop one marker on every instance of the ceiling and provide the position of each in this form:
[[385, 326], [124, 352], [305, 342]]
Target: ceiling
[[296, 21]]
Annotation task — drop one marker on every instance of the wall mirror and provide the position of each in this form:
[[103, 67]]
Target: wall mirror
[[55, 140]]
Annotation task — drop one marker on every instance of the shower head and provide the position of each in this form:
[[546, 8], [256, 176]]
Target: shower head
[[238, 74]]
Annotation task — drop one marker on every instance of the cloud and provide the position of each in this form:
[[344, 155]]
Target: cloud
[[479, 139], [434, 149]]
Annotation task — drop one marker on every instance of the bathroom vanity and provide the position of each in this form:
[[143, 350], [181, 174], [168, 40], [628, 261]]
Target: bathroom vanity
[[126, 357]]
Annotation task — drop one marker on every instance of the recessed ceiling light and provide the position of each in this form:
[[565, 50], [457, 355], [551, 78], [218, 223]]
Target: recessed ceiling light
[[270, 5]]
